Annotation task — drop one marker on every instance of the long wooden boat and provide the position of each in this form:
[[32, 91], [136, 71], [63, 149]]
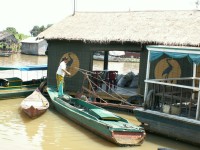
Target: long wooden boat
[[118, 56], [116, 59], [35, 104], [16, 87], [4, 53], [98, 120]]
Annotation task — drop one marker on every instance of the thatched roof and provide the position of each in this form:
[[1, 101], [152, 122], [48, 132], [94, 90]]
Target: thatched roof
[[4, 35], [159, 27], [7, 37]]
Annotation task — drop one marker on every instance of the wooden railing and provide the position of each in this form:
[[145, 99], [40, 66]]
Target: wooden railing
[[178, 96]]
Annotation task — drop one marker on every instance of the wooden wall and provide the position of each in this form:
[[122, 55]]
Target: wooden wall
[[180, 68], [81, 59], [81, 52]]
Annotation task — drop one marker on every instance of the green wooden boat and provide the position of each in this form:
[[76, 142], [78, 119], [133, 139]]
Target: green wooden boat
[[15, 87], [98, 120]]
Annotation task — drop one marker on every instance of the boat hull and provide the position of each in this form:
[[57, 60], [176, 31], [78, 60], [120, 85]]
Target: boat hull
[[35, 104], [5, 54], [16, 93], [172, 126], [33, 112], [106, 129], [23, 90], [12, 87]]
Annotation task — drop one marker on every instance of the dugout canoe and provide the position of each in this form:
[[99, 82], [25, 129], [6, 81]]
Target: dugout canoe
[[35, 104], [98, 120]]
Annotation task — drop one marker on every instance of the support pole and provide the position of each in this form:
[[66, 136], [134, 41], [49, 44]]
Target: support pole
[[198, 104], [194, 75], [147, 76], [105, 67]]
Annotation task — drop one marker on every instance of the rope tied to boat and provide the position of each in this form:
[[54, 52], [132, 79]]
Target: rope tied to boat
[[88, 74]]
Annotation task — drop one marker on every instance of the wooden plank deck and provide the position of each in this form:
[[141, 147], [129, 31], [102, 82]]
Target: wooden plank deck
[[114, 98], [118, 94]]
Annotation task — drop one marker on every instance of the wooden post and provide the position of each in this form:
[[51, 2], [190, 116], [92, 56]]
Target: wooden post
[[194, 75], [105, 67], [198, 104], [147, 76]]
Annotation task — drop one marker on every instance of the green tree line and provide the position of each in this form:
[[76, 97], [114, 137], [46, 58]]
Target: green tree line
[[37, 30], [19, 36]]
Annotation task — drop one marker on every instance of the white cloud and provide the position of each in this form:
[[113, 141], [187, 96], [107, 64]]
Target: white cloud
[[24, 14], [134, 5]]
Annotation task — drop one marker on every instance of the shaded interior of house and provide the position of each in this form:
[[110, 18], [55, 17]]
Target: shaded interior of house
[[110, 86]]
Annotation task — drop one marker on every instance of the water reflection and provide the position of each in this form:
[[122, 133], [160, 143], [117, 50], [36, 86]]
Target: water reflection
[[23, 60], [52, 131], [12, 128]]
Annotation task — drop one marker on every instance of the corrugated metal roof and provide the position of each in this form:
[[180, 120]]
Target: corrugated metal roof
[[32, 40]]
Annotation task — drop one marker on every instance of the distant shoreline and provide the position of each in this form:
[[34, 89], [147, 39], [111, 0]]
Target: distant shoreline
[[116, 59]]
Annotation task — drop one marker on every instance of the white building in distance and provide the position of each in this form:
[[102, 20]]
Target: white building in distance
[[34, 46]]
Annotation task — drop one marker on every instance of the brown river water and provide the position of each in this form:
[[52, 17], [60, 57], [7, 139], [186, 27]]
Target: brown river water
[[52, 131]]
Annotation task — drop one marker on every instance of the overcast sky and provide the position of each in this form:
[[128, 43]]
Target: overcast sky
[[24, 14]]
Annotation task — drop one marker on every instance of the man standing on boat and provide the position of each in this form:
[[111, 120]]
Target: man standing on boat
[[60, 74]]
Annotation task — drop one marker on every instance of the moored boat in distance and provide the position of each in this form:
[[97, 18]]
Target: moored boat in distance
[[118, 56], [35, 104], [98, 120], [11, 87], [5, 54]]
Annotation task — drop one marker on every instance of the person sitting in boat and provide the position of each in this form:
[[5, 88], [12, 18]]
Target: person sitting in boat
[[60, 74]]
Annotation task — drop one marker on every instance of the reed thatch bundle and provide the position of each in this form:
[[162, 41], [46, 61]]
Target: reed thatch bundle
[[180, 28]]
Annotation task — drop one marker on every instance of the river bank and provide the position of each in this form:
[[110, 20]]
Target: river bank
[[116, 58]]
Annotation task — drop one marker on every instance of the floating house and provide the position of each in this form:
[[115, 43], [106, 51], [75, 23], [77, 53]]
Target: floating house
[[7, 39], [172, 93], [168, 77], [83, 33], [78, 37], [34, 46]]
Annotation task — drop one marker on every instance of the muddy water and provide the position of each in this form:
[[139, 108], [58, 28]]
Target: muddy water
[[23, 60], [52, 131]]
